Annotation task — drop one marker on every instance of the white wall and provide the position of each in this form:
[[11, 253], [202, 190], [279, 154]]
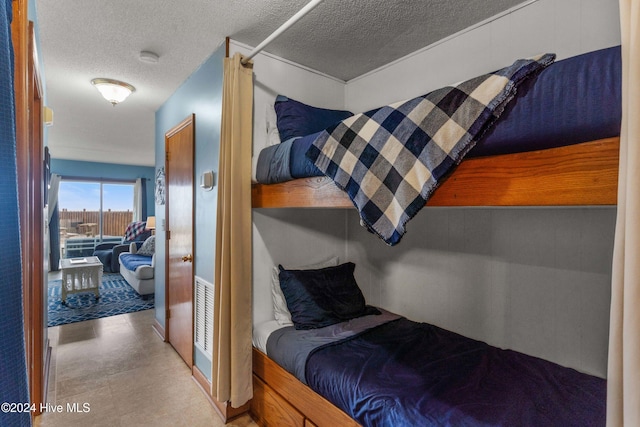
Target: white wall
[[291, 237], [533, 280], [276, 76], [567, 28]]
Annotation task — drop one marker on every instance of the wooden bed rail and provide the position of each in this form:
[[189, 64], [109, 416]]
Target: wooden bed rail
[[575, 175], [279, 399]]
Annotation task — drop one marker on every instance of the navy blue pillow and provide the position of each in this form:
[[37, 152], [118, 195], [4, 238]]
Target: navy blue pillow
[[297, 119], [323, 297]]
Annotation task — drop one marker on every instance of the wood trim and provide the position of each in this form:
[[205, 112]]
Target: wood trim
[[30, 186], [201, 379], [167, 235], [273, 409], [36, 213], [575, 175], [314, 407], [224, 410], [227, 40], [189, 120], [47, 366], [315, 192], [159, 329]]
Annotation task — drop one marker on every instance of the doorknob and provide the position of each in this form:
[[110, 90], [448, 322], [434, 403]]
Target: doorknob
[[187, 258]]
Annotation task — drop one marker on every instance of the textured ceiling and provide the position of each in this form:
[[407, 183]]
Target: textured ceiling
[[81, 40]]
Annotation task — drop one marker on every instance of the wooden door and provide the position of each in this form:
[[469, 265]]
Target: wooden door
[[179, 146]]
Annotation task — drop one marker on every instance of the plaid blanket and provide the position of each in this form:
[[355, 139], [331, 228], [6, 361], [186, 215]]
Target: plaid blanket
[[134, 229], [389, 160]]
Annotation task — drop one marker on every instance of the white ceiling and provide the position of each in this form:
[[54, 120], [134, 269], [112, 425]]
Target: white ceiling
[[81, 40]]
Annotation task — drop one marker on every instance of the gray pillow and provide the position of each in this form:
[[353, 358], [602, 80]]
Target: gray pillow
[[148, 248]]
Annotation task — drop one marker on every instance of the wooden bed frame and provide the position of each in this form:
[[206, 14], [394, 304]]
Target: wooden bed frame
[[575, 175], [280, 399]]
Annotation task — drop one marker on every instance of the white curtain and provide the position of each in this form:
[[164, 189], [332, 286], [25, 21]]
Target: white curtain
[[623, 378], [52, 200], [137, 200]]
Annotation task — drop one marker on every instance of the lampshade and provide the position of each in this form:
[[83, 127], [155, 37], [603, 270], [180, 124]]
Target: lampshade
[[113, 91], [151, 223]]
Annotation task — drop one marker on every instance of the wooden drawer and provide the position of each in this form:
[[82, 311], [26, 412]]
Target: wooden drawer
[[315, 408], [273, 410]]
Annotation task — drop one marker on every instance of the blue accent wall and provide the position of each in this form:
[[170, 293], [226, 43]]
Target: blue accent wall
[[94, 170], [200, 94]]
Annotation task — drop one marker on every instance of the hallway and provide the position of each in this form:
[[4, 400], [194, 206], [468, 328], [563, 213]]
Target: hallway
[[118, 372]]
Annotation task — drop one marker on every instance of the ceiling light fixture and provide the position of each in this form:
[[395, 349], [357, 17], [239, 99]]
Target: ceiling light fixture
[[113, 91]]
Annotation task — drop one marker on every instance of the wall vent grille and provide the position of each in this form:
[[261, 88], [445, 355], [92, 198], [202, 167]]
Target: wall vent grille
[[204, 317]]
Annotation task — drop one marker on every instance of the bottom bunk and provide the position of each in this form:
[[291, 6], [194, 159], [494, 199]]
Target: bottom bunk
[[387, 370]]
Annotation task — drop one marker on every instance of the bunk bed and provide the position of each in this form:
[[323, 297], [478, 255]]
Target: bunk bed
[[574, 166]]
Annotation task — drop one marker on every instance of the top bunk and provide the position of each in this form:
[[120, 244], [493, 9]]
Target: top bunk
[[555, 144], [579, 174]]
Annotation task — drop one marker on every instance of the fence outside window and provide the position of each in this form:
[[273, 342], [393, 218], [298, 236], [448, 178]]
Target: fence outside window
[[87, 223]]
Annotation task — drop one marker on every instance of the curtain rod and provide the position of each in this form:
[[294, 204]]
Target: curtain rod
[[284, 27], [100, 179]]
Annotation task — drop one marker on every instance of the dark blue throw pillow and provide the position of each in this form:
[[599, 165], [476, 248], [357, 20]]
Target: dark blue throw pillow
[[323, 297], [297, 119]]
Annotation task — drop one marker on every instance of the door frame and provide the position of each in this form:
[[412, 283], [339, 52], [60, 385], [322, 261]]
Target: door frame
[[30, 182], [190, 120]]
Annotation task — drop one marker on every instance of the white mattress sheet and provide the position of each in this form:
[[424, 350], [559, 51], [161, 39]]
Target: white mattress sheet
[[261, 333]]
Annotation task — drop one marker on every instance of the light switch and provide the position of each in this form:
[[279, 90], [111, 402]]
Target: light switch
[[207, 180]]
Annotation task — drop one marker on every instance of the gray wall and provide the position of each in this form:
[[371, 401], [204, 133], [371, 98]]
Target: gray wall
[[534, 280], [293, 238]]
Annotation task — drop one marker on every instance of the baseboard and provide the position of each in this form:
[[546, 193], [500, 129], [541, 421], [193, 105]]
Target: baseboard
[[224, 410], [200, 379], [159, 329], [47, 365], [45, 382]]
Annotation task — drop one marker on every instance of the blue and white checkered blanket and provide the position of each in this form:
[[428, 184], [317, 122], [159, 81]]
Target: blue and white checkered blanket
[[391, 159], [134, 229]]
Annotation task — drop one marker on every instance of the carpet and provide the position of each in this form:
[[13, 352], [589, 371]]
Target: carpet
[[116, 297]]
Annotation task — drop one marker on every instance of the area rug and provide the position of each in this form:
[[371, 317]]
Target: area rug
[[116, 297]]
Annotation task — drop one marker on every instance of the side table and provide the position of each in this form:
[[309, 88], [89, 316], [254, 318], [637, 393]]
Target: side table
[[81, 275]]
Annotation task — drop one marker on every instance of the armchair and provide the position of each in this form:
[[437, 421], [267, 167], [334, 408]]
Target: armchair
[[108, 253]]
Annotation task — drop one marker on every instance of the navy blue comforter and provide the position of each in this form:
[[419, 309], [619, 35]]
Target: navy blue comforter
[[404, 373]]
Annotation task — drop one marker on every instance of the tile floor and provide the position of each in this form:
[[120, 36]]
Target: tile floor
[[124, 375]]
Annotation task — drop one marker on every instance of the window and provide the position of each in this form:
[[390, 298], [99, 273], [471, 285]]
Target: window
[[92, 212]]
